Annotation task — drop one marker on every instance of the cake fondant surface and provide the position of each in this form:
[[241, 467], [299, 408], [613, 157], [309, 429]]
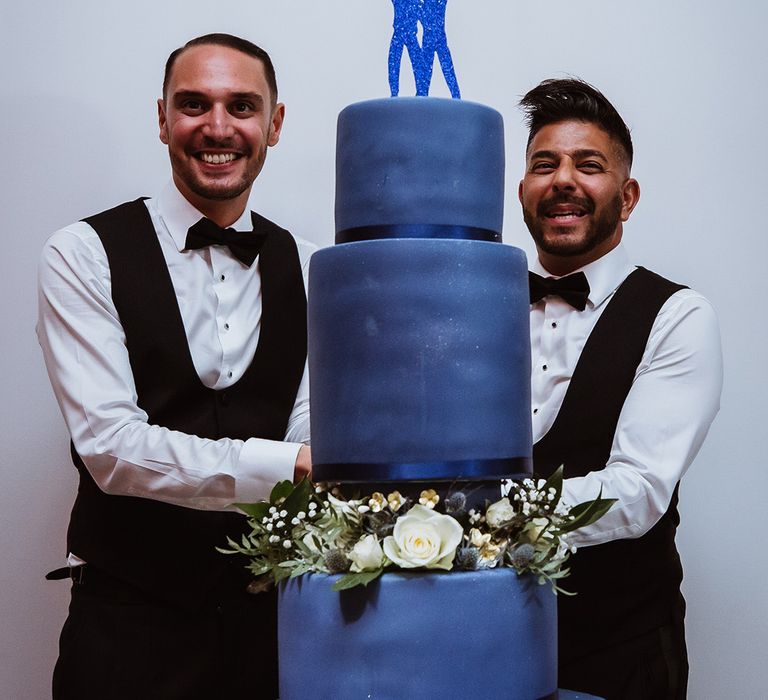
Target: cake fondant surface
[[416, 160], [415, 353], [474, 634]]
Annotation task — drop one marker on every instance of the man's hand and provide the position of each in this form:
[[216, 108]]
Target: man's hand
[[303, 465]]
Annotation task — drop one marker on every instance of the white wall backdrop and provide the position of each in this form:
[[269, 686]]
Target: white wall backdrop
[[79, 134]]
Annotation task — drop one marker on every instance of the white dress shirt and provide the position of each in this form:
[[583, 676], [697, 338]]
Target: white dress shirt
[[84, 348], [674, 397]]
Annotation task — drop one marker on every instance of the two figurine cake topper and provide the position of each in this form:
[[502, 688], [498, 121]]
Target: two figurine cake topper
[[431, 15]]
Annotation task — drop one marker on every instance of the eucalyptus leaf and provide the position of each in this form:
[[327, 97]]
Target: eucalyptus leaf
[[587, 513], [255, 510], [362, 578], [298, 499], [281, 490], [555, 481]]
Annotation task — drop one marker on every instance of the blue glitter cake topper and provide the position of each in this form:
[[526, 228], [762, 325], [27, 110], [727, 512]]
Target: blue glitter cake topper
[[431, 15]]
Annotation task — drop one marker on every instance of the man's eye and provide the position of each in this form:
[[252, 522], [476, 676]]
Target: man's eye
[[590, 166], [542, 167], [242, 108], [192, 105]]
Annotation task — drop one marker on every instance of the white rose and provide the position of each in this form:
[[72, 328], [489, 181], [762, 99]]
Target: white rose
[[366, 555], [423, 538], [499, 513]]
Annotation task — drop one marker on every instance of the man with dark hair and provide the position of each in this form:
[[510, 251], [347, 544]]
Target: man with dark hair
[[626, 381], [174, 332]]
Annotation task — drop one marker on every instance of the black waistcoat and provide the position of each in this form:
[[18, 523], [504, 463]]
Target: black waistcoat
[[166, 550], [625, 587]]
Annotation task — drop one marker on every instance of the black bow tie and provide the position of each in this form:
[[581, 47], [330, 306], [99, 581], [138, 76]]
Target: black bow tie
[[244, 245], [572, 288]]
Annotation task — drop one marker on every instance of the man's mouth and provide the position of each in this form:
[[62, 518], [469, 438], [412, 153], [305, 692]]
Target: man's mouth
[[217, 158], [564, 212]]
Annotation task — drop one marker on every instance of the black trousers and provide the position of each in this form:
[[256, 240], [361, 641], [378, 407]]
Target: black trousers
[[120, 644], [653, 666]]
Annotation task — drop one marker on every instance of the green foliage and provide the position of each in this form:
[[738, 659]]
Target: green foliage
[[304, 529], [359, 579]]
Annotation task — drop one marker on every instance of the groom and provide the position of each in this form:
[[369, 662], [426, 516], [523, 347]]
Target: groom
[[174, 333], [626, 381]]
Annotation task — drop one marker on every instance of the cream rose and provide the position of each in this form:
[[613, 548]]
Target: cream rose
[[423, 538], [366, 555], [499, 513]]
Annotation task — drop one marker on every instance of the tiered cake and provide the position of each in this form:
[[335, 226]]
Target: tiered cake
[[420, 375]]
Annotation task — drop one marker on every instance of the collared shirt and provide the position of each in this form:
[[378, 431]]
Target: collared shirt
[[84, 348], [673, 400]]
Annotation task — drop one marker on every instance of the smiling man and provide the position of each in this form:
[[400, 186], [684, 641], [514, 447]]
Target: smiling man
[[174, 333], [626, 380]]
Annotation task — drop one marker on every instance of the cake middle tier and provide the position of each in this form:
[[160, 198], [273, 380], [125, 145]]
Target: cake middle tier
[[419, 361]]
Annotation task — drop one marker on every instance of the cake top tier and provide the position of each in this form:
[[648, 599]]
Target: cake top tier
[[419, 161]]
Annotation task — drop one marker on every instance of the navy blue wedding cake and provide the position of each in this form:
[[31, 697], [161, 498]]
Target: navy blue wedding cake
[[420, 376]]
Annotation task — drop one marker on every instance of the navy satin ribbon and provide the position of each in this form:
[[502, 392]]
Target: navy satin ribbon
[[369, 233], [460, 469]]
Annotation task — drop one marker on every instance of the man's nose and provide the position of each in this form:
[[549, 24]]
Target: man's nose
[[564, 176], [218, 125]]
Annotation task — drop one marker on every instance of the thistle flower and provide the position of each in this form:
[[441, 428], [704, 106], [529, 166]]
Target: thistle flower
[[467, 558], [522, 555], [336, 561], [456, 504]]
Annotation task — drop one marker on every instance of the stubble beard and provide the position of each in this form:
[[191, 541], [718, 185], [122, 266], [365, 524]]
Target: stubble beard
[[561, 244], [219, 191]]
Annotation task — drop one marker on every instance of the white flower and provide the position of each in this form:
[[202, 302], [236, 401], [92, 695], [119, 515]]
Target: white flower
[[478, 539], [499, 513], [429, 498], [366, 555], [269, 527], [534, 528], [423, 538], [377, 502], [295, 521], [287, 544], [363, 509], [280, 523], [283, 513], [395, 500], [273, 509]]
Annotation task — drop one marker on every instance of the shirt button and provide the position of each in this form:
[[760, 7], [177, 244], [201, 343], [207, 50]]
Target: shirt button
[[535, 411], [229, 374], [226, 326], [222, 277], [544, 367], [554, 324]]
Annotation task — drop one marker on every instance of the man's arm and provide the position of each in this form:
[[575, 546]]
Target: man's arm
[[84, 348], [665, 418]]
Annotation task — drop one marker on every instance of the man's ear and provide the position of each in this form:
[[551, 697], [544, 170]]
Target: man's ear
[[162, 120], [276, 124], [630, 196]]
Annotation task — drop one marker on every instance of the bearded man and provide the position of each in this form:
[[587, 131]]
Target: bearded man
[[626, 380]]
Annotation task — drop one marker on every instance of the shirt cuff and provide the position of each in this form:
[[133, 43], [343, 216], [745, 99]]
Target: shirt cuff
[[261, 465]]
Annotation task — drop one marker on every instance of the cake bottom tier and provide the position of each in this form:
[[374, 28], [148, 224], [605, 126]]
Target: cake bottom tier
[[474, 634]]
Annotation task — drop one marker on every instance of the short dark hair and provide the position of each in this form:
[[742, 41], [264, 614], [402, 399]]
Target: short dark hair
[[565, 99], [232, 42]]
